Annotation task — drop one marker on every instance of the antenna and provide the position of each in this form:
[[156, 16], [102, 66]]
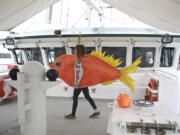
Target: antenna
[[79, 41]]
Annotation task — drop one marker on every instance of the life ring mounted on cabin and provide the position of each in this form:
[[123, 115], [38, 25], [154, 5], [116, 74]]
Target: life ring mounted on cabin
[[6, 91]]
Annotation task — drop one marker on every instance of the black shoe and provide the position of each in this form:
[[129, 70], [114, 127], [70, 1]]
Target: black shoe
[[94, 115], [70, 116]]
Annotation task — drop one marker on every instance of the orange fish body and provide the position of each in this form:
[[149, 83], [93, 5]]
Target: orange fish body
[[97, 68], [95, 71]]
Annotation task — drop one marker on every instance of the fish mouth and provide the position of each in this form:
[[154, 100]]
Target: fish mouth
[[51, 66]]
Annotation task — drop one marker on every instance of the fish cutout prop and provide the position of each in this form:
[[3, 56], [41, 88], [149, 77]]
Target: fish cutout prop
[[97, 68]]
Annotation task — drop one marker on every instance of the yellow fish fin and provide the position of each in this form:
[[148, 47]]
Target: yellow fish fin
[[125, 78], [108, 59]]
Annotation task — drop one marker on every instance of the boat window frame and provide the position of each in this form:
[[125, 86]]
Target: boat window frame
[[115, 46], [14, 52], [5, 55], [27, 56], [70, 47], [47, 55], [146, 46], [116, 43], [178, 64], [174, 57]]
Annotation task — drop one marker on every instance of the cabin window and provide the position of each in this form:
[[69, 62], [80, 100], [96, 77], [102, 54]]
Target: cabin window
[[34, 54], [117, 52], [88, 50], [18, 56], [5, 55], [178, 67], [167, 55], [147, 54], [54, 52]]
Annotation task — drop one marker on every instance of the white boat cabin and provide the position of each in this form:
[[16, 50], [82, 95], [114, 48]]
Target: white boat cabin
[[159, 62]]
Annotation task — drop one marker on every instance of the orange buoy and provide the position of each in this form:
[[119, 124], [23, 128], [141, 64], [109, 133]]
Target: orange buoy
[[124, 100]]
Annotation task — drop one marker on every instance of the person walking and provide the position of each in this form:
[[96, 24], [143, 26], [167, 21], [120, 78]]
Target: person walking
[[78, 69]]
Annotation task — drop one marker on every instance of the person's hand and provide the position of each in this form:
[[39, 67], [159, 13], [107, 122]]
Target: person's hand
[[76, 86]]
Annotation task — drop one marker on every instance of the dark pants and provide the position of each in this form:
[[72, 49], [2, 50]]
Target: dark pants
[[77, 91]]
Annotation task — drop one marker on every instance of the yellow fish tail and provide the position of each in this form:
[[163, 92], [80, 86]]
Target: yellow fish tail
[[125, 78]]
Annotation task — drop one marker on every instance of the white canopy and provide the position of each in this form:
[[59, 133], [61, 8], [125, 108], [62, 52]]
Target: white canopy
[[162, 14], [15, 12]]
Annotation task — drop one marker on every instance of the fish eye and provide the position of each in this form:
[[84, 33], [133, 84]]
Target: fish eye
[[58, 64]]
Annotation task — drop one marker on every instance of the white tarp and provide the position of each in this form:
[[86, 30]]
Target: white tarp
[[162, 14], [15, 12]]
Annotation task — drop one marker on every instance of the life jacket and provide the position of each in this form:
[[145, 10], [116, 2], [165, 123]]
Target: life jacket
[[152, 91]]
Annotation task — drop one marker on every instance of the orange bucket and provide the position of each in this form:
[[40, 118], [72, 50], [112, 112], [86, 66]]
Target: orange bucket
[[124, 101]]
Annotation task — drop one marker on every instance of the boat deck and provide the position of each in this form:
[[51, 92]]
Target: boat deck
[[56, 109]]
